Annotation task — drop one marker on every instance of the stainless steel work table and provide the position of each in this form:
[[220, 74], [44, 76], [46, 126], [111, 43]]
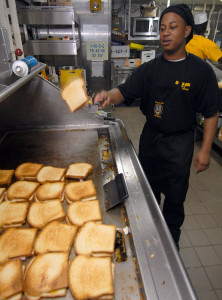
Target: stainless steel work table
[[37, 126]]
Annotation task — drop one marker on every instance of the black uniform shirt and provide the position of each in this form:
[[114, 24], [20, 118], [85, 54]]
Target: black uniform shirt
[[172, 93]]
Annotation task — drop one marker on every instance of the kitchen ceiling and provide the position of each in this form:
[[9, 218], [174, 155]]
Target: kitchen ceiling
[[193, 2]]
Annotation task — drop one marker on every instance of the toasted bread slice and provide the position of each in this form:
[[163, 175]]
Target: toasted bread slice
[[2, 194], [13, 214], [41, 213], [46, 276], [79, 170], [74, 94], [50, 191], [90, 277], [55, 237], [21, 191], [28, 171], [16, 242], [95, 239], [6, 177], [51, 174], [80, 212], [80, 191], [11, 279]]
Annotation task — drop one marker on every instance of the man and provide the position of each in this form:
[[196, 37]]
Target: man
[[172, 88], [201, 46]]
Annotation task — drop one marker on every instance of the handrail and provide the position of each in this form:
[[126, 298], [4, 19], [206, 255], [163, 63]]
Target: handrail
[[20, 82]]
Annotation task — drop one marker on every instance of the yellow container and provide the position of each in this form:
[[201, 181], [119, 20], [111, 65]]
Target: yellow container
[[137, 47], [68, 73]]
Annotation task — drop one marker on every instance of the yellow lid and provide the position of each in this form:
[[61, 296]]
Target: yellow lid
[[136, 46]]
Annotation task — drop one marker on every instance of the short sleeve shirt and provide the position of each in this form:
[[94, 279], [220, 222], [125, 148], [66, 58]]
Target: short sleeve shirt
[[204, 48], [172, 93]]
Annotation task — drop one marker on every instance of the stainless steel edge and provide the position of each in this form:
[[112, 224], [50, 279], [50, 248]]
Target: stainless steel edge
[[47, 15], [162, 272], [51, 47]]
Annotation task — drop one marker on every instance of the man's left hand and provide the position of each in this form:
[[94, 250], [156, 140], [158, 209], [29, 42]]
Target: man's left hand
[[202, 161]]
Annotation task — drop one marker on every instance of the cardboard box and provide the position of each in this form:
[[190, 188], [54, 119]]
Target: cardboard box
[[118, 62], [60, 2], [120, 51], [135, 62]]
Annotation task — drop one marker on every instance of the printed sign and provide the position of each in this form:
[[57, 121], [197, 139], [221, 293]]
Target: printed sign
[[97, 50]]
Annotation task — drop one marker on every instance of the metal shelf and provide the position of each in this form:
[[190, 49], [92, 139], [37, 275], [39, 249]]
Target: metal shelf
[[52, 47], [48, 15], [46, 18]]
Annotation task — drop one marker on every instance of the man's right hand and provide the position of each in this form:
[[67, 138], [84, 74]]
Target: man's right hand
[[103, 99]]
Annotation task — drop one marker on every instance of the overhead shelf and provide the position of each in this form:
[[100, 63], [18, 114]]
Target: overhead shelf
[[48, 15], [50, 30]]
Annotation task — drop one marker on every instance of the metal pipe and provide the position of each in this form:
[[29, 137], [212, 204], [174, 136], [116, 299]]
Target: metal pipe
[[215, 31], [209, 20], [20, 82]]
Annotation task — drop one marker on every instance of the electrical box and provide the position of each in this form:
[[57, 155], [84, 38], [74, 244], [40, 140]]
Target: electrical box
[[95, 5]]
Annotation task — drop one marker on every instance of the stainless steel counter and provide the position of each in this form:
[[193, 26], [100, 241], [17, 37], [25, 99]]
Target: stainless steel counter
[[37, 126]]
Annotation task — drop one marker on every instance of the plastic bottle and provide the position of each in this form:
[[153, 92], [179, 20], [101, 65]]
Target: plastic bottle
[[54, 76], [44, 75]]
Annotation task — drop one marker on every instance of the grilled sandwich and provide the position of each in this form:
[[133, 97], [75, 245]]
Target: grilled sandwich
[[28, 171], [46, 276], [91, 278], [50, 191], [80, 191], [79, 170], [21, 191], [17, 242], [11, 280], [55, 237], [51, 174], [13, 214], [41, 213], [95, 239], [74, 94], [80, 212], [6, 177]]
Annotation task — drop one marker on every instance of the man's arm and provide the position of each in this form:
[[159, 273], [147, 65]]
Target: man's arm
[[106, 98], [202, 159]]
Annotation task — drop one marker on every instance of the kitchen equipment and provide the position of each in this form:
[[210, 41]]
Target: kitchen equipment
[[145, 26], [67, 73], [116, 192], [41, 129]]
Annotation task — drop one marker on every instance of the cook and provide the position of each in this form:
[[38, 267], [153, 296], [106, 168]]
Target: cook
[[201, 46], [172, 89]]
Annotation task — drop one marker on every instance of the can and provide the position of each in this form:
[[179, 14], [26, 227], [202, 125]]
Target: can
[[67, 73], [23, 66]]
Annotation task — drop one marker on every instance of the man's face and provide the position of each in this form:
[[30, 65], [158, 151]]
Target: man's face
[[173, 32]]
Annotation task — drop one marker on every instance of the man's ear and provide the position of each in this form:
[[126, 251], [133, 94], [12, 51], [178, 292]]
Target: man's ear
[[187, 31]]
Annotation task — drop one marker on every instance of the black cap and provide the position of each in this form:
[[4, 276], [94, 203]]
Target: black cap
[[184, 11]]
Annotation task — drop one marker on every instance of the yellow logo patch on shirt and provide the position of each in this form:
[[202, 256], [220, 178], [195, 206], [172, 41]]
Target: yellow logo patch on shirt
[[184, 85], [158, 109]]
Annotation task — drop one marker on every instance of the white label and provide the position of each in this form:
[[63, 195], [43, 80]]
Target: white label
[[97, 50]]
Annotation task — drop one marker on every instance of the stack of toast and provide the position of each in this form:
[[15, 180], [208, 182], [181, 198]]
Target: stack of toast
[[32, 221]]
